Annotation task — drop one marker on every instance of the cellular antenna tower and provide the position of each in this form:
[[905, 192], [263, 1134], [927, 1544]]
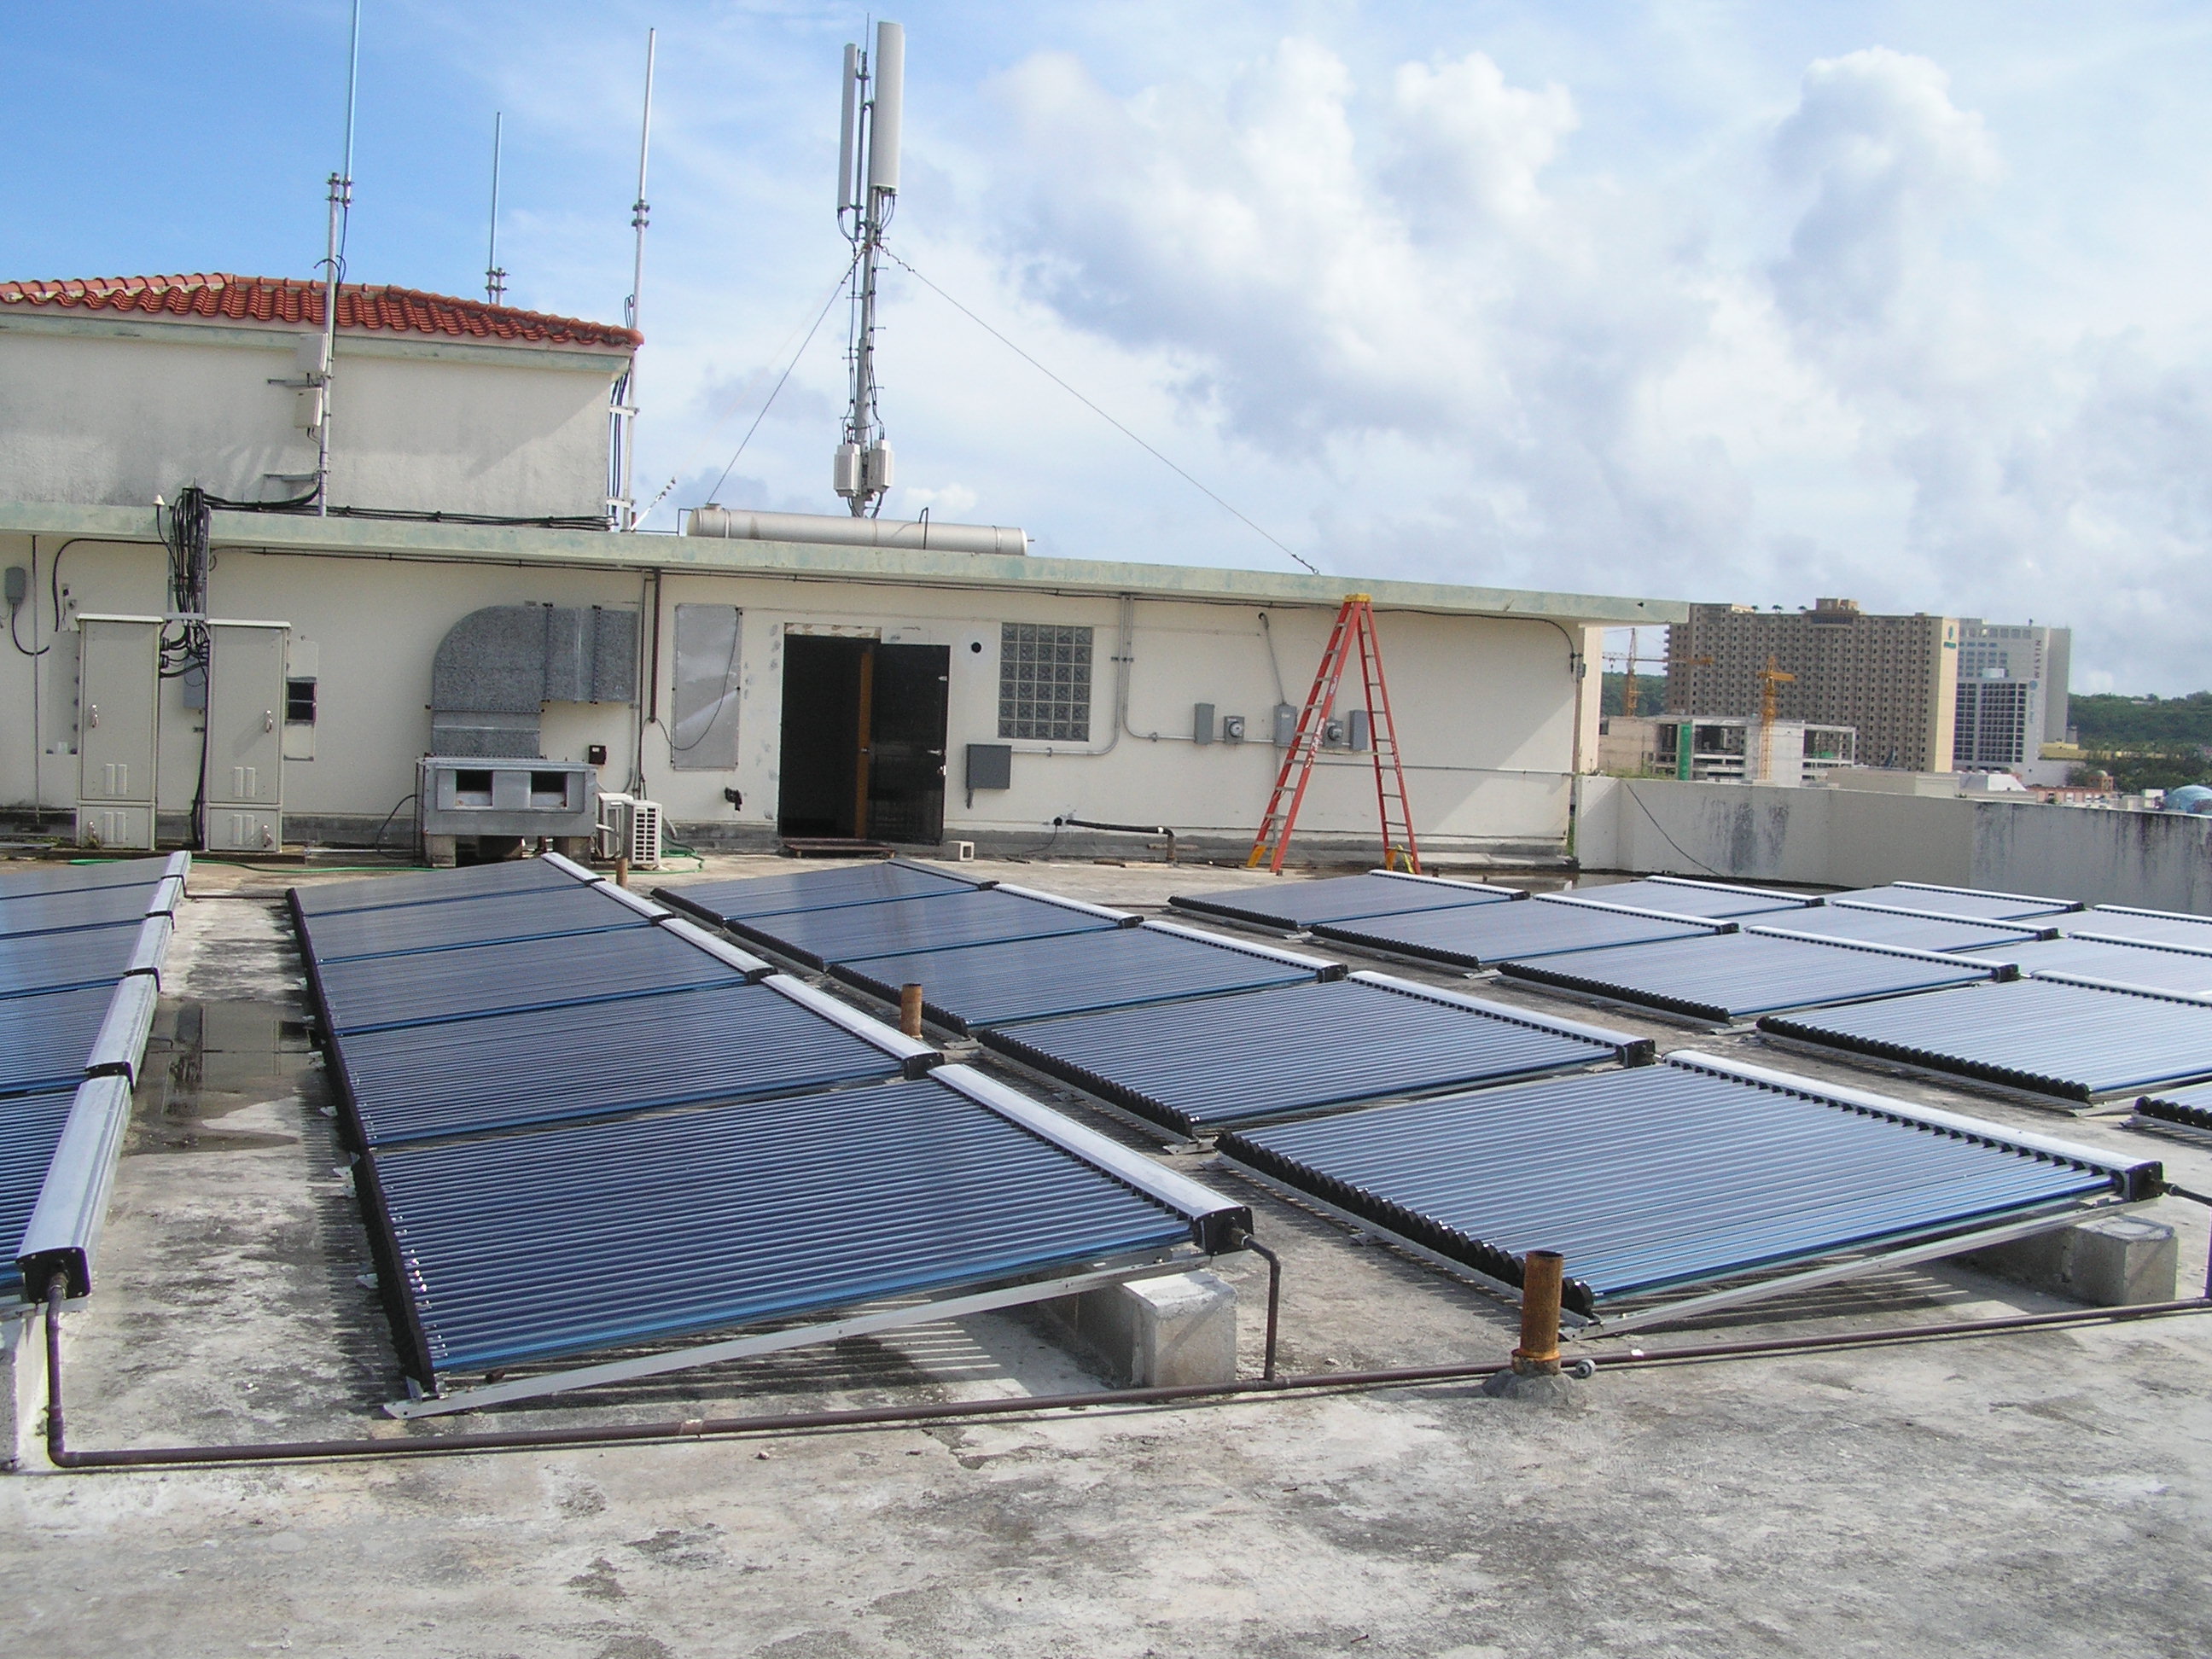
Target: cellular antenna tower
[[867, 193], [494, 275], [621, 493]]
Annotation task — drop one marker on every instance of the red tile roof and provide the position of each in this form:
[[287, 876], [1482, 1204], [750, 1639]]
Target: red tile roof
[[288, 299]]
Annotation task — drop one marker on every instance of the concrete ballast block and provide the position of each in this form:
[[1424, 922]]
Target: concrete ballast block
[[1156, 1333], [22, 1388], [2108, 1261]]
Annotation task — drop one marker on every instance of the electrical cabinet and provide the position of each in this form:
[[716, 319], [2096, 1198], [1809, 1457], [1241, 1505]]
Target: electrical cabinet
[[118, 727], [245, 778]]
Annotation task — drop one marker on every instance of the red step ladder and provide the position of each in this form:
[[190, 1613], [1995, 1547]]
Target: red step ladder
[[1354, 629]]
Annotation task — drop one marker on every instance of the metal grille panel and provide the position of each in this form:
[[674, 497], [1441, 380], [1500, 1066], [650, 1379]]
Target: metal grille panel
[[1874, 926], [398, 930], [1296, 1049], [1483, 936], [1661, 1177], [899, 927], [1290, 906], [560, 1240], [733, 1043], [1021, 980], [813, 890], [2070, 1040], [1733, 976]]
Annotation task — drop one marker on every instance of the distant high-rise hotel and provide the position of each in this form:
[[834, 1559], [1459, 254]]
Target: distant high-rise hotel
[[1925, 694], [2012, 692]]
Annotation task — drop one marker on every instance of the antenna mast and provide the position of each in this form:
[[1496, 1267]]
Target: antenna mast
[[334, 266], [867, 190], [494, 278], [622, 501]]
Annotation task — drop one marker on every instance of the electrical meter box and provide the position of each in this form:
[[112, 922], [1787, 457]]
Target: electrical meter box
[[245, 781], [118, 730]]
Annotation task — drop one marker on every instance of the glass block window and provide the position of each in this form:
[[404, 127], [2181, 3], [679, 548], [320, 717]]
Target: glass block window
[[1044, 683]]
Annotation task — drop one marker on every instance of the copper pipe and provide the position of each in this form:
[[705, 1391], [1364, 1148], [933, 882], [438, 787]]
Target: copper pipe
[[895, 1416], [910, 1010]]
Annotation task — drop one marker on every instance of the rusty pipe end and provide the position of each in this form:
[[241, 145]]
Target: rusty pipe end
[[910, 1010], [1542, 1275]]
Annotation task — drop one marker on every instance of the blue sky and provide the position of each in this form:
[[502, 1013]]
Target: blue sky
[[1706, 301]]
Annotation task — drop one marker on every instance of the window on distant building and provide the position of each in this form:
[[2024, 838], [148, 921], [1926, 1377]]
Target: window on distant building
[[1044, 683]]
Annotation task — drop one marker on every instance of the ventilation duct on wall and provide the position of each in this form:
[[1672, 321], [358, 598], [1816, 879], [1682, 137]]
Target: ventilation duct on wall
[[498, 666]]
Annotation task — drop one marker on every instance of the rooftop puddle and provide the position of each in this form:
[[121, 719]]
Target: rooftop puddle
[[207, 1061]]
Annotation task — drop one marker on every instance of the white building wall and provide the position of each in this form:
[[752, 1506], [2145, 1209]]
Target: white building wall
[[419, 423], [1858, 838], [1487, 707]]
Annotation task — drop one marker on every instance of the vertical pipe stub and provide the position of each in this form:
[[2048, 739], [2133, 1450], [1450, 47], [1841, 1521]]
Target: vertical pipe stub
[[1541, 1273], [910, 1010]]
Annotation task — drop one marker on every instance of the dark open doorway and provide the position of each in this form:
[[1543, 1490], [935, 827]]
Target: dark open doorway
[[863, 739]]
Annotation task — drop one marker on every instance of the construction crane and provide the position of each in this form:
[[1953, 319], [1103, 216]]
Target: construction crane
[[1354, 630], [1769, 677], [1631, 660]]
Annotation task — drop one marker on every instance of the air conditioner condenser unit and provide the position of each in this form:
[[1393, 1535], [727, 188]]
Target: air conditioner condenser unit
[[629, 827]]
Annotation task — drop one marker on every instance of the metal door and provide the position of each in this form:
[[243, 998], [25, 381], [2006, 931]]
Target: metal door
[[905, 743]]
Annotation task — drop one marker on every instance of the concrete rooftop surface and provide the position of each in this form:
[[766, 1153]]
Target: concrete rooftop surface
[[2047, 1492]]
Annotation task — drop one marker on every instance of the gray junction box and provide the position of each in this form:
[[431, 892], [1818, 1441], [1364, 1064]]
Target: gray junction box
[[245, 716], [118, 730]]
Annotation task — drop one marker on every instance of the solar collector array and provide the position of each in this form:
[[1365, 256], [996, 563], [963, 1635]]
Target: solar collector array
[[2186, 932], [2076, 1043], [559, 1240], [1671, 1176], [859, 932], [1729, 977], [30, 1129], [1868, 925], [972, 987], [1293, 906], [1678, 897], [731, 1041], [752, 896], [507, 918], [1968, 902], [717, 1152], [1479, 937], [1296, 1049], [436, 886], [81, 949], [2142, 966]]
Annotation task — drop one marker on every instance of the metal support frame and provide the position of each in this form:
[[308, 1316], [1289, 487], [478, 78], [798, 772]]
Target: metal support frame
[[929, 1312], [1877, 1259], [2109, 1105]]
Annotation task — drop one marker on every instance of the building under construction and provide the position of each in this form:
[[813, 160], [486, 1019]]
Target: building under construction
[[1894, 680]]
